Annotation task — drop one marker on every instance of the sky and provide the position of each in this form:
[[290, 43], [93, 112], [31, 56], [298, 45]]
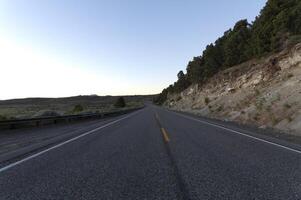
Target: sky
[[58, 48]]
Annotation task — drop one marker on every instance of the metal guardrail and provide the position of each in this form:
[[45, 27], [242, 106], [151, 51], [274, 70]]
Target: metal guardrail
[[41, 121]]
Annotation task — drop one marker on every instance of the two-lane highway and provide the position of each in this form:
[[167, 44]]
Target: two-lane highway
[[156, 154]]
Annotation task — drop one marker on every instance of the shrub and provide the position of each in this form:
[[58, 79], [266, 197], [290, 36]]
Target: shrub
[[207, 100], [288, 106], [120, 103], [274, 120], [294, 40], [269, 108], [2, 118], [220, 108], [46, 113], [78, 108], [276, 98], [259, 103]]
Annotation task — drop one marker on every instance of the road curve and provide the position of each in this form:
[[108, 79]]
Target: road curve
[[156, 154]]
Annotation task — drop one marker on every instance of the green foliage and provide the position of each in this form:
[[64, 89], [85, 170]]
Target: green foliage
[[277, 26], [294, 40], [194, 70], [278, 20], [260, 103], [268, 108], [182, 82], [78, 108], [162, 97], [236, 45], [120, 103], [275, 120]]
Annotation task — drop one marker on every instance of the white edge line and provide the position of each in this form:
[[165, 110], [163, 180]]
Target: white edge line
[[63, 143], [240, 133]]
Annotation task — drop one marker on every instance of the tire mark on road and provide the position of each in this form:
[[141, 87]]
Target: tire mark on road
[[183, 194]]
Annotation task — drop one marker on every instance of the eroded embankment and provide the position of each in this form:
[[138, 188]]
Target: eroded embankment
[[265, 92]]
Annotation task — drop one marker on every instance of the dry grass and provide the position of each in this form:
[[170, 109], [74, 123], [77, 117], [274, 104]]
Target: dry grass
[[31, 107]]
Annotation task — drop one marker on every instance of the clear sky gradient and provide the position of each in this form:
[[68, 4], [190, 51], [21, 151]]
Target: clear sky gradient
[[54, 48]]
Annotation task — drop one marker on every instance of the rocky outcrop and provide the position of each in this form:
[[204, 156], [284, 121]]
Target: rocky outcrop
[[265, 92]]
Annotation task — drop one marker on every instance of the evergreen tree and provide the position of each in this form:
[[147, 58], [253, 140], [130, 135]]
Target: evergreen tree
[[194, 70], [182, 82], [236, 45]]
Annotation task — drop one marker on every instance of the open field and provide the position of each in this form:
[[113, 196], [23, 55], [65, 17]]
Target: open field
[[37, 107]]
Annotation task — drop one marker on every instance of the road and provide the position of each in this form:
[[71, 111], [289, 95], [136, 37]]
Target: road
[[156, 154]]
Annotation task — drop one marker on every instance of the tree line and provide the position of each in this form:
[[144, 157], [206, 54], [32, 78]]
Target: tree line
[[277, 26]]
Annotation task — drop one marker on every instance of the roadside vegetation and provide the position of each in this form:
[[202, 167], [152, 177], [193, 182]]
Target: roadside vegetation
[[78, 108], [120, 103], [277, 27], [44, 107], [2, 117]]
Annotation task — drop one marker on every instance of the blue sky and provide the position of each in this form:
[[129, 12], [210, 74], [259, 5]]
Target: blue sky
[[106, 47]]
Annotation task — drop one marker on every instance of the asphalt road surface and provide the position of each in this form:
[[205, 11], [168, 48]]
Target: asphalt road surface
[[156, 154]]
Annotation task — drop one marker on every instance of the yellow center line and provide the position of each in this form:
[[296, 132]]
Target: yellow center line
[[165, 135], [164, 132]]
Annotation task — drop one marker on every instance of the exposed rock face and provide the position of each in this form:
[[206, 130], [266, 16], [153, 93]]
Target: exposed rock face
[[266, 92]]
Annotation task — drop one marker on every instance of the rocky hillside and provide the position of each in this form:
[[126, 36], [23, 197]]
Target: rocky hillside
[[265, 92]]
